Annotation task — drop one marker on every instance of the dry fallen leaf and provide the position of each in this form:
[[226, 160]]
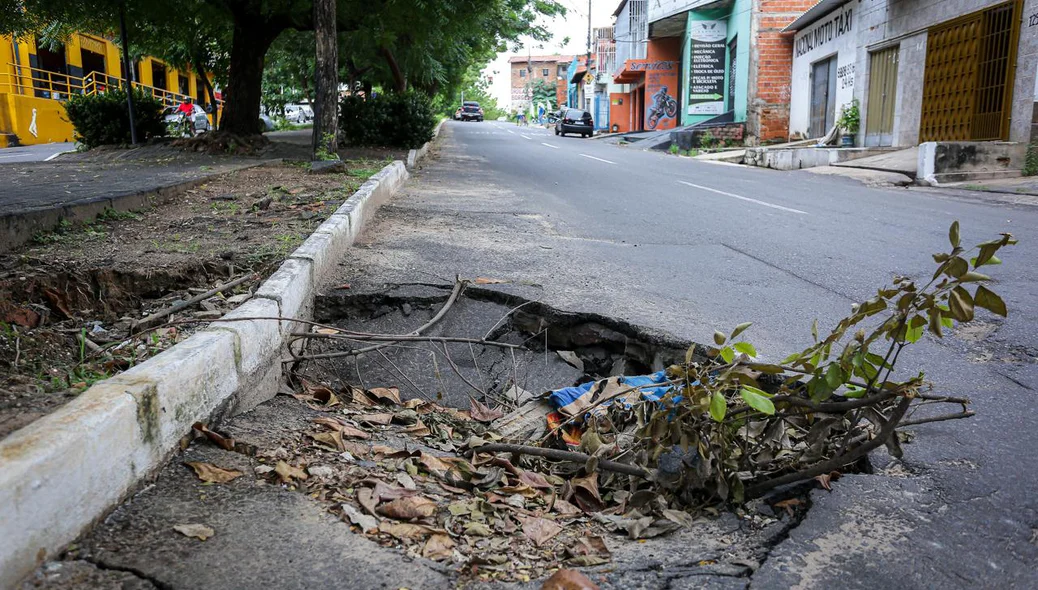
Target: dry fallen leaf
[[826, 479], [343, 429], [380, 419], [198, 531], [438, 547], [564, 508], [481, 413], [566, 579], [486, 281], [210, 473], [366, 522], [286, 473], [788, 504], [386, 395], [332, 440], [409, 508], [406, 531], [219, 440], [540, 530]]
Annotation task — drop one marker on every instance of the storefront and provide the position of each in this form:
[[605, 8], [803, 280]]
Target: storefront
[[825, 51], [651, 101]]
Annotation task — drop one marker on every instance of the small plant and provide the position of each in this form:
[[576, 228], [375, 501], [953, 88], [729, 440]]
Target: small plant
[[692, 153], [327, 140], [103, 118], [707, 140], [114, 215], [1031, 160], [674, 149], [850, 117]]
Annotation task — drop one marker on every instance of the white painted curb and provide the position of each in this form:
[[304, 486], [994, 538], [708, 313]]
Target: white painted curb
[[64, 471], [416, 156]]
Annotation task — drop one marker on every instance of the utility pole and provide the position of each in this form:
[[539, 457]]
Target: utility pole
[[326, 111], [127, 78], [587, 99]]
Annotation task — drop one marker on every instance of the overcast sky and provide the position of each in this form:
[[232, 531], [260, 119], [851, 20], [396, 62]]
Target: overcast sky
[[573, 25]]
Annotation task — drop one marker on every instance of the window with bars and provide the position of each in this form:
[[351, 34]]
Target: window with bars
[[967, 85]]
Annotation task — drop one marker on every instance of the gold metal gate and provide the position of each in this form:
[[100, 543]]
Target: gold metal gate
[[879, 122], [968, 82]]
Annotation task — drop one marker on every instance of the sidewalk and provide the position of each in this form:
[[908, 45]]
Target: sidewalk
[[37, 196]]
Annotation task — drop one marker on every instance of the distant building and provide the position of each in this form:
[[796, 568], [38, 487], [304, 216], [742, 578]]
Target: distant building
[[36, 80], [526, 70]]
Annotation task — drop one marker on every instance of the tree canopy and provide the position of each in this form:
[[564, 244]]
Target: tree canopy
[[391, 44]]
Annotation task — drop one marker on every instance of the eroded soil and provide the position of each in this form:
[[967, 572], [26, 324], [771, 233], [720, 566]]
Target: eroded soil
[[68, 299]]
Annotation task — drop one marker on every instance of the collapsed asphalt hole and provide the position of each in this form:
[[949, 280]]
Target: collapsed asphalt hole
[[558, 348]]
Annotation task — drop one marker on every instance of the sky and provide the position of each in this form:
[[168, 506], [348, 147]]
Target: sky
[[573, 25]]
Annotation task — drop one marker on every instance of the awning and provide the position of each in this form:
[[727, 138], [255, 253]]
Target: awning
[[630, 75], [814, 13], [578, 76]]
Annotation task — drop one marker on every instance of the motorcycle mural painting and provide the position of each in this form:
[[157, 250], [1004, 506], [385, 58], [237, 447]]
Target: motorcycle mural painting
[[661, 109]]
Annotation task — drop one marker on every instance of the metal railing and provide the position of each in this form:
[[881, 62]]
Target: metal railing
[[29, 81]]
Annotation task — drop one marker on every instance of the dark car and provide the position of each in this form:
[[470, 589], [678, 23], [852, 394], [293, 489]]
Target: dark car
[[471, 111], [575, 121]]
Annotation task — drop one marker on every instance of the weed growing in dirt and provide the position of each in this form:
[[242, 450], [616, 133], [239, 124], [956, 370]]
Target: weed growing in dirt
[[113, 215], [67, 232]]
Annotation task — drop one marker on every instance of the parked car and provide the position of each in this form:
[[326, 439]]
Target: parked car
[[575, 121], [199, 118], [299, 113], [471, 111]]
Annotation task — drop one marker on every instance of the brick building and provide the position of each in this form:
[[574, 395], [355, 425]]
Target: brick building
[[734, 57], [525, 70]]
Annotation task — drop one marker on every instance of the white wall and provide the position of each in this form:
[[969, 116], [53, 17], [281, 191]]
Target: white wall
[[829, 35]]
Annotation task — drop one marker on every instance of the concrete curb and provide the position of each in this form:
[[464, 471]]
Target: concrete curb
[[19, 227], [416, 156], [64, 471]]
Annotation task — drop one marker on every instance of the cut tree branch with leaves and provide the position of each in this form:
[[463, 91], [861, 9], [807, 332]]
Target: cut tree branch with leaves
[[744, 427]]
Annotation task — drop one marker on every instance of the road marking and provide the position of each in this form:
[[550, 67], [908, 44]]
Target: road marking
[[554, 147], [714, 190], [510, 131], [52, 156], [13, 156], [525, 136], [599, 159]]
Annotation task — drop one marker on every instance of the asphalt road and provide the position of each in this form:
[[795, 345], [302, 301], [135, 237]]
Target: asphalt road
[[688, 246], [34, 153]]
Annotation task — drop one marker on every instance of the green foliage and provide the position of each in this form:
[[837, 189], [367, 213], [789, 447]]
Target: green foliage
[[403, 120], [1031, 160], [850, 117], [746, 426], [674, 149], [707, 139], [103, 118]]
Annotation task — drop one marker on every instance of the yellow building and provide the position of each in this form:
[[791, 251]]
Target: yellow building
[[35, 81]]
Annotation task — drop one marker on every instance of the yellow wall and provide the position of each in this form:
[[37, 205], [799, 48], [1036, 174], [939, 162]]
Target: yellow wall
[[16, 109], [51, 124]]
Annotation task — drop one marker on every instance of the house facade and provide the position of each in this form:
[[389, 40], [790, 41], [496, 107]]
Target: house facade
[[525, 71], [724, 64], [920, 70], [35, 81]]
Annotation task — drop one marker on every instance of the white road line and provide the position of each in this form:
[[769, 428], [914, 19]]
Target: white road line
[[52, 156], [599, 159], [554, 147], [510, 131], [714, 190], [525, 136]]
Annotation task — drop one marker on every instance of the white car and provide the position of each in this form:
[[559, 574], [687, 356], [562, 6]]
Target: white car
[[199, 118], [299, 113]]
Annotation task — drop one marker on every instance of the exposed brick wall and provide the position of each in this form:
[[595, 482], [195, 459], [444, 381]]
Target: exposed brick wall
[[769, 101], [536, 72]]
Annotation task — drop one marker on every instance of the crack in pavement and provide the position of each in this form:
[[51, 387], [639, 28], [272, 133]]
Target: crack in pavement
[[101, 565], [791, 273]]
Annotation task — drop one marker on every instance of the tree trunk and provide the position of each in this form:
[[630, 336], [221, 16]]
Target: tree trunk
[[244, 92], [326, 64], [400, 82]]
